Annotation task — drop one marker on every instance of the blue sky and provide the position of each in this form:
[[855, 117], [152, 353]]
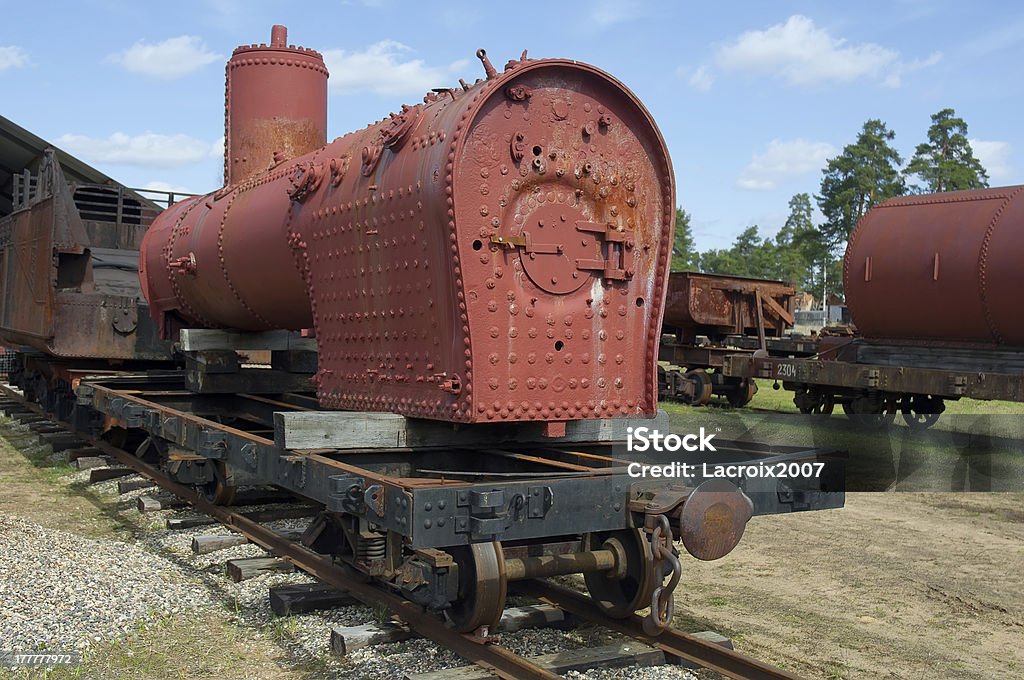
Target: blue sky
[[752, 97]]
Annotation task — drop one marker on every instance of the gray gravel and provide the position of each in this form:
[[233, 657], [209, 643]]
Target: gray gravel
[[59, 589]]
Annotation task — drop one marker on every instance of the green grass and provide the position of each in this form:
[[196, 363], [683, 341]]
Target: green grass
[[781, 401], [974, 445]]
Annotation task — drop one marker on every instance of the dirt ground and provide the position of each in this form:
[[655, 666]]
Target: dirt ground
[[894, 585], [34, 487]]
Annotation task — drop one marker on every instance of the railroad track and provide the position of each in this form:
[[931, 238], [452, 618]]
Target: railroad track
[[485, 653]]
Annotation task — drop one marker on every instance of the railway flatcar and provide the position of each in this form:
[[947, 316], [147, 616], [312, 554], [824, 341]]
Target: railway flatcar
[[931, 283], [438, 329], [711, 316]]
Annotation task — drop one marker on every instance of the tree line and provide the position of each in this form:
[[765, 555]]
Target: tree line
[[866, 172]]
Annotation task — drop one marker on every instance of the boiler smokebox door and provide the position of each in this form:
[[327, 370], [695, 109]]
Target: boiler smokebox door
[[558, 256]]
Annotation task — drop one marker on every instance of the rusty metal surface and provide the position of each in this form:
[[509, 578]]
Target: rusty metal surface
[[713, 519], [498, 252], [717, 305], [275, 105], [27, 267], [943, 267], [60, 296]]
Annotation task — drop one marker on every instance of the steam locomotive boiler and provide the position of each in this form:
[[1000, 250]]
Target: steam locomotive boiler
[[485, 275], [498, 252]]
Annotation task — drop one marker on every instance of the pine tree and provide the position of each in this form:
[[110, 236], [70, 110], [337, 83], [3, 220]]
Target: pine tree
[[684, 255], [865, 173], [947, 162], [799, 244]]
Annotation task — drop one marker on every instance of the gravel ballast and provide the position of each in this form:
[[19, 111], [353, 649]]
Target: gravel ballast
[[63, 591]]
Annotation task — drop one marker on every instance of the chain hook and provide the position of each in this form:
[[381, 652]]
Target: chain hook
[[666, 563]]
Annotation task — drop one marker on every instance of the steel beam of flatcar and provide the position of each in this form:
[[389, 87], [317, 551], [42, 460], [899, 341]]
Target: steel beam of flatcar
[[951, 383]]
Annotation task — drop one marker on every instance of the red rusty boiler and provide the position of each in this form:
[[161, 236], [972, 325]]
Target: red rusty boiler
[[939, 267], [497, 253]]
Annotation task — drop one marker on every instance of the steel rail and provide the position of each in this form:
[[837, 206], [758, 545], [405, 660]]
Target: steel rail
[[727, 662], [493, 658]]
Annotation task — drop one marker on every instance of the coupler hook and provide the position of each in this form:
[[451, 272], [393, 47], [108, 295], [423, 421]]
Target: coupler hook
[[666, 563]]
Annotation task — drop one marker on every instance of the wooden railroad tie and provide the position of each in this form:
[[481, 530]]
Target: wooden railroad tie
[[46, 427], [103, 474], [82, 452], [302, 598], [241, 570], [617, 655], [204, 545], [61, 441], [155, 503], [127, 485], [90, 462], [347, 639]]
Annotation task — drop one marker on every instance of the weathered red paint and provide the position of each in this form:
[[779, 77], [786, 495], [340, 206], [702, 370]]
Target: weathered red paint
[[498, 252], [275, 103], [718, 305], [939, 267]]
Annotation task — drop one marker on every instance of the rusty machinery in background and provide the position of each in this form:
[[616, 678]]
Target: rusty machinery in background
[[709, 317], [69, 240], [498, 252]]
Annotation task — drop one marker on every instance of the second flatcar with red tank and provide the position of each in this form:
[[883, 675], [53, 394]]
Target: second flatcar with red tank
[[932, 283]]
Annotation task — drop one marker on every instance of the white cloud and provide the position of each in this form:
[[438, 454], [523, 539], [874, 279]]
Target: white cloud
[[605, 13], [149, 149], [701, 79], [172, 58], [895, 76], [803, 54], [12, 57], [385, 68], [781, 160], [994, 156]]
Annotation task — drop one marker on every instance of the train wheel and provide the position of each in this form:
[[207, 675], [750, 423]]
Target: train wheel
[[920, 411], [482, 587], [741, 395], [871, 412], [151, 451], [814, 403], [629, 586], [220, 491], [702, 388]]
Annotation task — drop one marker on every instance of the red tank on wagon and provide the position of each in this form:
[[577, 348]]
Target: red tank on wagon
[[498, 252]]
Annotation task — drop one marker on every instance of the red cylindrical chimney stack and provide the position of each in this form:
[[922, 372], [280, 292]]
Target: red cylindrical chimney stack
[[276, 103]]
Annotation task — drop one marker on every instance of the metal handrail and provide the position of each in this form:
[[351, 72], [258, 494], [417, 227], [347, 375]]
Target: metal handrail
[[99, 202]]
